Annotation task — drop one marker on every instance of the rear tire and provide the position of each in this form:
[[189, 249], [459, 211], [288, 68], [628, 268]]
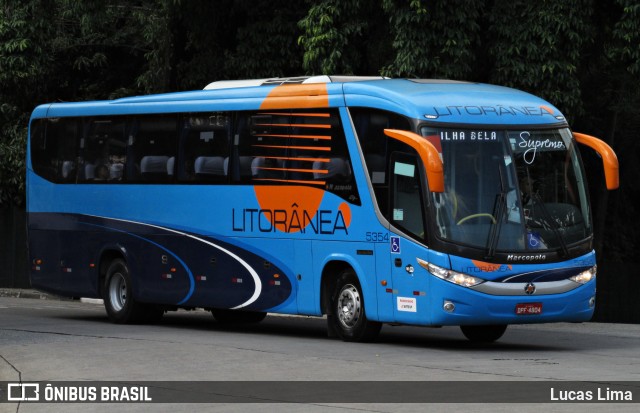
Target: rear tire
[[118, 298], [483, 334], [347, 316]]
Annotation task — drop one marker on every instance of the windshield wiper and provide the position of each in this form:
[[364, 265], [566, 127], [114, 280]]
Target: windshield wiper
[[499, 208], [548, 219]]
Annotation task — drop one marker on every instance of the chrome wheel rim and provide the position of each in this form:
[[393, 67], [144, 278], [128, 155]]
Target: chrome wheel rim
[[117, 291], [349, 306]]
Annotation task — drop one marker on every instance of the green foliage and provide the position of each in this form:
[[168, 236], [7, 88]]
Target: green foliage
[[12, 171], [331, 31], [266, 40], [433, 39], [24, 62], [626, 35], [538, 46], [581, 55]]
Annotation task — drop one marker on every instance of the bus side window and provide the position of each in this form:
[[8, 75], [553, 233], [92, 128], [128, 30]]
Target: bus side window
[[152, 145], [103, 150], [294, 147], [54, 144], [369, 126], [407, 200], [204, 146], [238, 164]]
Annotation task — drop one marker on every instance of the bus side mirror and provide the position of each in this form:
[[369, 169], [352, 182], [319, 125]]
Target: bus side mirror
[[427, 152], [609, 158]]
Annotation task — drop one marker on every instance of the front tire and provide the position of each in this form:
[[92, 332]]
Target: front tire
[[118, 297], [483, 334], [347, 316]]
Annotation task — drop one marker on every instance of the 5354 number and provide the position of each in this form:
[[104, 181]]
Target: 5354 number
[[377, 236]]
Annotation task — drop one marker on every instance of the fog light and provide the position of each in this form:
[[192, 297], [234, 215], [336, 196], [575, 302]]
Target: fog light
[[592, 302], [449, 306]]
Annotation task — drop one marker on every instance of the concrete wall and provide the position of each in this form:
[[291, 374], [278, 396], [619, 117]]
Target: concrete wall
[[13, 248]]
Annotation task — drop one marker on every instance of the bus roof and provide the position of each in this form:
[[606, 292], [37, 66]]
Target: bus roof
[[434, 100]]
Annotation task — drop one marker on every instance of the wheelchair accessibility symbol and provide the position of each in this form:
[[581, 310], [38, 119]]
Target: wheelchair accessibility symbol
[[535, 241], [395, 245]]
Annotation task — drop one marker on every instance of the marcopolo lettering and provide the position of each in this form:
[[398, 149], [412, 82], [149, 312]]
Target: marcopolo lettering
[[526, 258]]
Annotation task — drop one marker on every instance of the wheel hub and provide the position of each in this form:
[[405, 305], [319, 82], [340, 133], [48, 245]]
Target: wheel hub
[[118, 292], [349, 306]]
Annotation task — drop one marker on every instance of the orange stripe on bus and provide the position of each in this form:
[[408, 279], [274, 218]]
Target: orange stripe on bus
[[290, 158], [297, 125], [319, 171], [311, 148], [292, 181], [273, 135], [313, 95]]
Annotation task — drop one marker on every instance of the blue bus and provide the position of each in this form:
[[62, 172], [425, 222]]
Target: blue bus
[[368, 200]]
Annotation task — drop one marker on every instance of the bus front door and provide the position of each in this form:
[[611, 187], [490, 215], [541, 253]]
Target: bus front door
[[407, 215]]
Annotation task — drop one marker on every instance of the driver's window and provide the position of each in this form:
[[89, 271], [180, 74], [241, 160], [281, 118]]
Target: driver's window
[[407, 211]]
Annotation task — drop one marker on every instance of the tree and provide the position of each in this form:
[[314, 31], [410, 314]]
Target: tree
[[331, 30], [266, 43], [60, 50], [537, 46], [24, 63], [611, 85], [433, 39]]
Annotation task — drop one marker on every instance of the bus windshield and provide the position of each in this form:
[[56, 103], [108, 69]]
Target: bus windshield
[[510, 190]]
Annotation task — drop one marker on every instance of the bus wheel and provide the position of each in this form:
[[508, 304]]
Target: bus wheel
[[483, 334], [118, 297], [347, 317], [225, 316]]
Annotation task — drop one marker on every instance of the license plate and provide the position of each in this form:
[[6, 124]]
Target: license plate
[[528, 308]]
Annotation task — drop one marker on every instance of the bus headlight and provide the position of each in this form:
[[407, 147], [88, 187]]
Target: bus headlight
[[454, 277], [585, 276]]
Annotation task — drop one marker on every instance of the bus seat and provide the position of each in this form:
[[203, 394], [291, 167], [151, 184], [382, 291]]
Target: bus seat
[[153, 167], [244, 164], [376, 166], [115, 171], [68, 169], [260, 168], [209, 165], [256, 167], [89, 171], [171, 165], [336, 167]]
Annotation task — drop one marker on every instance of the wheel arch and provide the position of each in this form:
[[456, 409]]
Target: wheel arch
[[331, 269], [107, 256]]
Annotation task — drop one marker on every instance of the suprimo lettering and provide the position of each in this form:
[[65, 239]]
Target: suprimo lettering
[[531, 146]]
